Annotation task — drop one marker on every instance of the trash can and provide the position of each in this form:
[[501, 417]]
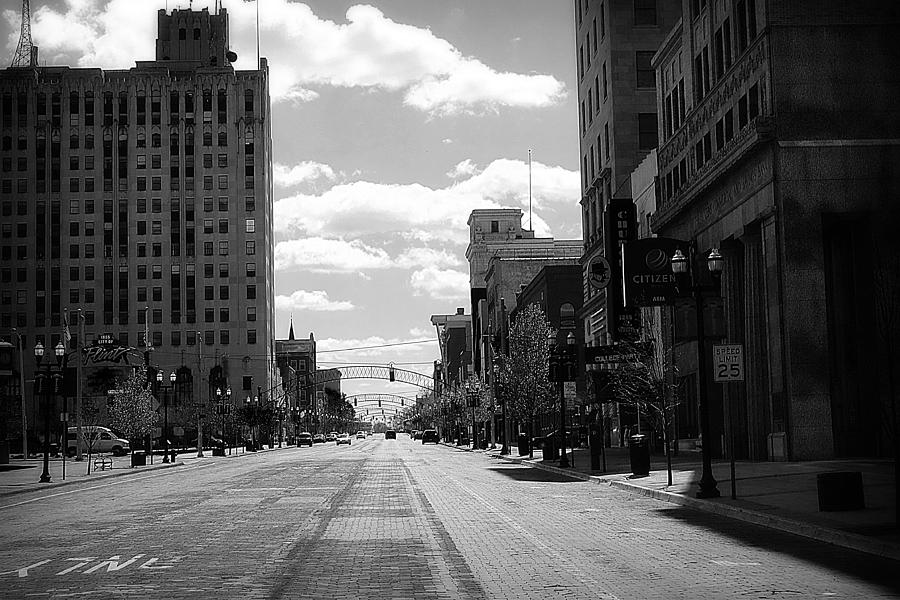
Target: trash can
[[524, 444], [595, 440], [639, 452], [138, 458], [551, 452], [840, 490]]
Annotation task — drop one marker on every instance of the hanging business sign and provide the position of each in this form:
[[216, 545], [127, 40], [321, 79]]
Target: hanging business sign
[[647, 271]]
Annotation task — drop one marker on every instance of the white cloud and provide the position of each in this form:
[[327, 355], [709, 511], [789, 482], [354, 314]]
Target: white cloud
[[425, 257], [375, 349], [321, 255], [316, 300], [465, 168], [368, 50], [302, 173], [414, 212], [442, 284]]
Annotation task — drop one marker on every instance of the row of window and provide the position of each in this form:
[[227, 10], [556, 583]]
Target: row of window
[[594, 161], [87, 185], [749, 106], [724, 46], [155, 271]]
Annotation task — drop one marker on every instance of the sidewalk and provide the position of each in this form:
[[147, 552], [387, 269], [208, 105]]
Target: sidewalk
[[779, 495], [23, 475]]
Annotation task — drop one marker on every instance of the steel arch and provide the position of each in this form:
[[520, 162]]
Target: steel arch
[[369, 372]]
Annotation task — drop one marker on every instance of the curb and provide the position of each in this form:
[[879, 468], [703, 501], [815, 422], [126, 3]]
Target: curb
[[822, 534], [119, 473]]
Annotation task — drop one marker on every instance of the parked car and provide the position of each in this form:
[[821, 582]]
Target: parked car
[[430, 435], [101, 439], [360, 435], [344, 438], [390, 434], [305, 439], [319, 438], [417, 435], [332, 436]]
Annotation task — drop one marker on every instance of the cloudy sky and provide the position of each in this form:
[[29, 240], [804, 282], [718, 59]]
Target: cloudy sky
[[393, 120]]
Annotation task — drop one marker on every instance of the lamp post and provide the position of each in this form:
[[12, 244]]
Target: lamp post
[[165, 389], [562, 369], [685, 268], [45, 378], [504, 447], [472, 401]]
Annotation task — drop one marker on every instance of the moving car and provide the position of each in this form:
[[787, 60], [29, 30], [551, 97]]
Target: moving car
[[305, 439], [390, 434], [360, 435], [101, 439], [344, 438], [332, 435], [430, 435], [319, 438]]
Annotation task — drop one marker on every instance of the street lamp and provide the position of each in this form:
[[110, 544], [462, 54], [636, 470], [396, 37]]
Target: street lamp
[[472, 401], [684, 267], [48, 393], [504, 448], [165, 390], [562, 369]]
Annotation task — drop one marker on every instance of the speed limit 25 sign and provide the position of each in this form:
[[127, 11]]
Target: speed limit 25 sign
[[728, 362]]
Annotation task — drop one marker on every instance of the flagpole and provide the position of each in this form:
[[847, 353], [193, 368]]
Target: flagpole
[[529, 189], [79, 390]]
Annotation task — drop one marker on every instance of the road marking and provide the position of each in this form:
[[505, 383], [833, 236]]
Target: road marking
[[112, 564], [84, 561], [728, 563], [23, 572]]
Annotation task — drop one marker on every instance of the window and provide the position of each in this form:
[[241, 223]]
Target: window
[[223, 203], [209, 316], [207, 248], [207, 226], [223, 315], [251, 269], [223, 161], [142, 227], [208, 204], [224, 292], [142, 272], [142, 294], [207, 182], [157, 228], [251, 336], [644, 12], [250, 247], [223, 270], [223, 182], [249, 204], [646, 77], [223, 248], [208, 292], [157, 272], [223, 225], [208, 270], [224, 337], [251, 292], [251, 313]]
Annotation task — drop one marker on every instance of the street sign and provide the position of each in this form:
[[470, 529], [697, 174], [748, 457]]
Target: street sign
[[728, 363]]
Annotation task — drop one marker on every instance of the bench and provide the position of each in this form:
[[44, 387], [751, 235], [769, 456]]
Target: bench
[[103, 463]]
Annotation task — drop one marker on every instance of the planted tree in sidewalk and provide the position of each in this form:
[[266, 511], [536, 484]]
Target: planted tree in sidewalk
[[91, 415], [524, 370], [131, 409], [646, 379]]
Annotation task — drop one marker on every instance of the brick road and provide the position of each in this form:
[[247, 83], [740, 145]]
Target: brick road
[[396, 519]]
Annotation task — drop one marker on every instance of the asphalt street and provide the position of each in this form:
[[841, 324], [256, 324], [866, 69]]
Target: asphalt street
[[396, 519]]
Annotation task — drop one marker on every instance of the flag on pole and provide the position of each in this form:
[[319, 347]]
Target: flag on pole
[[67, 335]]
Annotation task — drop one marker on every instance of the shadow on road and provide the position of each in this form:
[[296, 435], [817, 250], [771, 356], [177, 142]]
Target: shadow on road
[[529, 474], [855, 564]]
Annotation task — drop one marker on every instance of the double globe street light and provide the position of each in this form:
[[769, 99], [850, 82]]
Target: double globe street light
[[159, 380], [563, 367], [49, 387], [685, 270]]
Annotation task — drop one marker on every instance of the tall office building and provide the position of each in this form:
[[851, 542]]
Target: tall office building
[[615, 42], [141, 200]]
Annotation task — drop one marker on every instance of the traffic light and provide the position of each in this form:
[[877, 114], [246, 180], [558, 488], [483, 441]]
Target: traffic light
[[402, 401], [379, 404], [354, 402], [391, 373]]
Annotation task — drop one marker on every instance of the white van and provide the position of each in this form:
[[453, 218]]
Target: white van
[[104, 440]]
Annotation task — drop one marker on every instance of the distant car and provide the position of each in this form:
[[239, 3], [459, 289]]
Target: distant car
[[332, 435], [344, 438], [417, 435], [360, 435], [319, 438], [430, 435], [101, 439], [305, 439], [390, 434]]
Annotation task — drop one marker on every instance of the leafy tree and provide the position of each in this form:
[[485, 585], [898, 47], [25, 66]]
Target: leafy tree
[[131, 409], [646, 380], [524, 382]]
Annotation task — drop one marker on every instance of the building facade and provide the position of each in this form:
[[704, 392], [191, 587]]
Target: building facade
[[615, 41], [779, 132], [139, 202]]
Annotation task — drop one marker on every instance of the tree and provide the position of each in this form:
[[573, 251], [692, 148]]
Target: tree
[[90, 419], [131, 408], [646, 380], [524, 370]]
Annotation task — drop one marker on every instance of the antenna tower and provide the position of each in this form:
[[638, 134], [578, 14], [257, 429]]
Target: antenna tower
[[26, 55]]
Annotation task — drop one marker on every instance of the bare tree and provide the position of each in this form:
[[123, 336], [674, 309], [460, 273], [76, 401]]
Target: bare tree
[[91, 416], [524, 370], [646, 380], [131, 407]]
